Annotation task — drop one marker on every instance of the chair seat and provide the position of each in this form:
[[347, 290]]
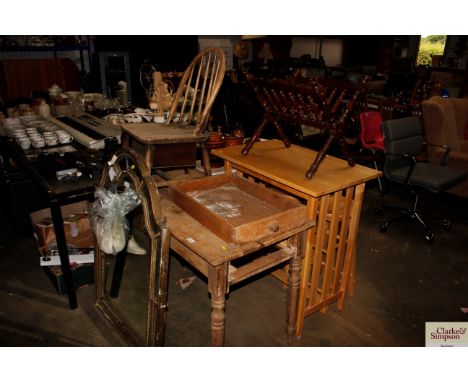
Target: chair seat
[[376, 144], [435, 178], [161, 133]]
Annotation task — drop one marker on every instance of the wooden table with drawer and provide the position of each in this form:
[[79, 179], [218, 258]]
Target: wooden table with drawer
[[333, 197], [227, 247]]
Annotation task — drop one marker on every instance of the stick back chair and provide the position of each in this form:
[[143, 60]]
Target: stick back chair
[[189, 115]]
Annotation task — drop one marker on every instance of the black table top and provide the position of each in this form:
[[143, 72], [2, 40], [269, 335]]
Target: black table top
[[43, 164]]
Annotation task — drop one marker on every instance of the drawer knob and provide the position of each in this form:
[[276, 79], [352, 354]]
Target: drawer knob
[[274, 227]]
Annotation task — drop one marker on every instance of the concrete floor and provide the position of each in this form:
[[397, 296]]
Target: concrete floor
[[402, 282]]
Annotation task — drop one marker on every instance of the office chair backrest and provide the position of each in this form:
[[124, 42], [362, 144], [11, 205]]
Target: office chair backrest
[[402, 137], [197, 90], [371, 131]]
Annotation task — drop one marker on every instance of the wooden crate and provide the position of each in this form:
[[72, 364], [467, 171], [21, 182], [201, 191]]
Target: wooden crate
[[237, 210]]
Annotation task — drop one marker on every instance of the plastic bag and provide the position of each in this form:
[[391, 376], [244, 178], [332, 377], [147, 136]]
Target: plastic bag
[[107, 218]]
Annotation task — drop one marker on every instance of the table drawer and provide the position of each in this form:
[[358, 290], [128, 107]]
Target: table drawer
[[238, 210]]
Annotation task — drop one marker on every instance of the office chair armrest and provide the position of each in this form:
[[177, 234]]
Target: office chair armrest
[[403, 156], [443, 161], [411, 159], [410, 170]]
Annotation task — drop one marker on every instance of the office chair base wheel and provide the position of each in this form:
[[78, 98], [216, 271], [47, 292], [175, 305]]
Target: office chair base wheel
[[429, 236], [447, 224], [384, 227]]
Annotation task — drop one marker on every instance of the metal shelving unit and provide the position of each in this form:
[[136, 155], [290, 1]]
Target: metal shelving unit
[[52, 51]]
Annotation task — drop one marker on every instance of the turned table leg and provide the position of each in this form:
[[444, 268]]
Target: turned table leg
[[218, 287], [217, 320], [294, 281]]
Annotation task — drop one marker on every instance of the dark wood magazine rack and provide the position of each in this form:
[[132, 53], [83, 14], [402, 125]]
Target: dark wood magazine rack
[[324, 104]]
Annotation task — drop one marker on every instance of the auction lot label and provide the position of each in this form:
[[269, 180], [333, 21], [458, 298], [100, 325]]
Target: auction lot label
[[447, 334]]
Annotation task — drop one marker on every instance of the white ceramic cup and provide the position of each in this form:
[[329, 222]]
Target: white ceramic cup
[[35, 136], [65, 138], [12, 122], [19, 134], [51, 141], [24, 142], [38, 143], [159, 119]]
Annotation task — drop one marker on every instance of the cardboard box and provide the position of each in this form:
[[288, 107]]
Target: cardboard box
[[83, 274], [78, 232]]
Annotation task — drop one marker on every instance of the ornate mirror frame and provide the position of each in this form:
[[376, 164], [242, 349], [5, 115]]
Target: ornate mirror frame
[[127, 166]]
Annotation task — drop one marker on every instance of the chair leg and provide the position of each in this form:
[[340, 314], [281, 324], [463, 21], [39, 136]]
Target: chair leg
[[429, 235], [149, 156], [379, 180], [412, 212], [205, 159], [372, 160]]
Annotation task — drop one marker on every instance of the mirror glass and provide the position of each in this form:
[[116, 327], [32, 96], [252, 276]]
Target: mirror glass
[[114, 68], [127, 278]]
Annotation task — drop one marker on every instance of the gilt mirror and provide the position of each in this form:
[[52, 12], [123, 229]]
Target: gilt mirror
[[131, 270]]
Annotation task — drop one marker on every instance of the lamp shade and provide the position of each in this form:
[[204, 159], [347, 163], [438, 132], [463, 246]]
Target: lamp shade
[[265, 52]]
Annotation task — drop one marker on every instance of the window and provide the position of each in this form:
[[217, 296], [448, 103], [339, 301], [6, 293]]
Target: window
[[431, 50]]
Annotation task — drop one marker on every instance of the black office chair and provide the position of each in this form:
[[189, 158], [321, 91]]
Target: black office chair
[[403, 143]]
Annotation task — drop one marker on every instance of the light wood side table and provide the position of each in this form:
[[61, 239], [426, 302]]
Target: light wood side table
[[216, 260], [333, 197]]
